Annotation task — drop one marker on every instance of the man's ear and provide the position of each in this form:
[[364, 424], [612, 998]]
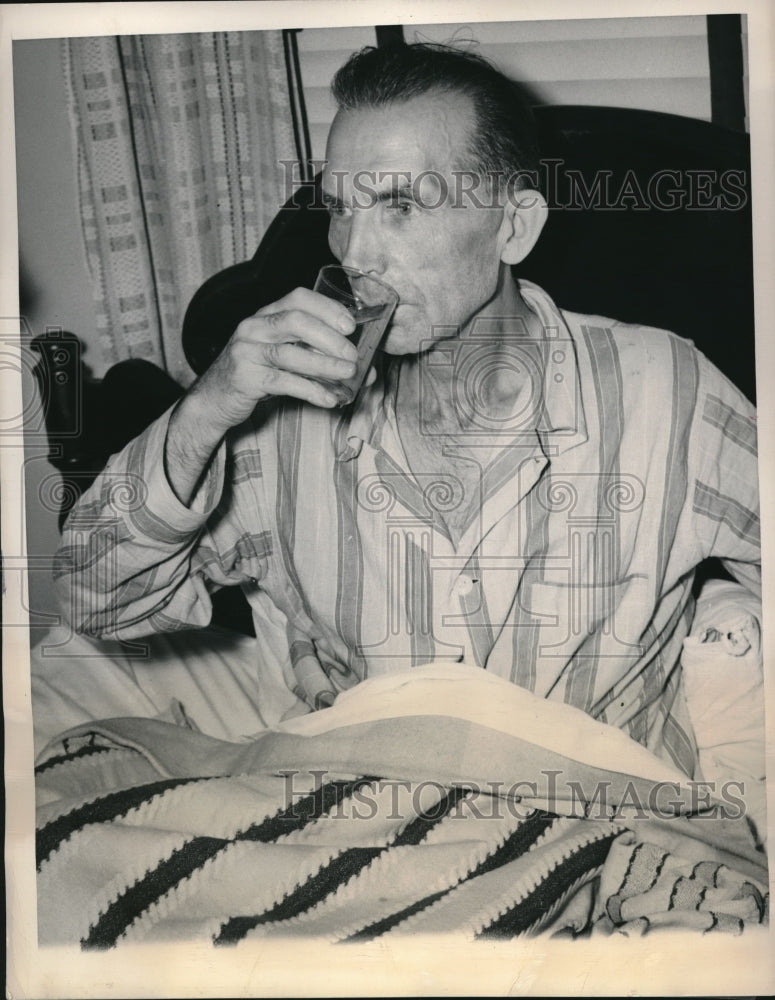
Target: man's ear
[[524, 216]]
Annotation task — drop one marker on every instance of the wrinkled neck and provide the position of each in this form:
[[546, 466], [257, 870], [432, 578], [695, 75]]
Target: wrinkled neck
[[474, 372]]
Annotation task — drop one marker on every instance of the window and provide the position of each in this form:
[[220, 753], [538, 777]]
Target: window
[[656, 63]]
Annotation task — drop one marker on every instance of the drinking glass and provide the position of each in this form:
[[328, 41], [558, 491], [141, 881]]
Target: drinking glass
[[371, 303]]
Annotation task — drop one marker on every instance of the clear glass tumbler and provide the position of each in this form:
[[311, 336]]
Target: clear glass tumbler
[[371, 303]]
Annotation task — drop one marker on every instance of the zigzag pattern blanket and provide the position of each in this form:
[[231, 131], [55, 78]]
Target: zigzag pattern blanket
[[489, 814]]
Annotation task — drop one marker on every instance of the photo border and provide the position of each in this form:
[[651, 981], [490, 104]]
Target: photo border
[[671, 963]]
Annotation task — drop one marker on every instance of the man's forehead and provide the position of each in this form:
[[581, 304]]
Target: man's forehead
[[430, 132]]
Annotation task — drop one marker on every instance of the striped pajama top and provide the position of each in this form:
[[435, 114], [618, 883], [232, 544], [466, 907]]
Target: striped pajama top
[[629, 459]]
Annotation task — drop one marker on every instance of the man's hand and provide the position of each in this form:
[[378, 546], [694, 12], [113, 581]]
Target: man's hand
[[268, 355]]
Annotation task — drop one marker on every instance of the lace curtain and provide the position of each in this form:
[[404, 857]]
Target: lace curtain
[[180, 141]]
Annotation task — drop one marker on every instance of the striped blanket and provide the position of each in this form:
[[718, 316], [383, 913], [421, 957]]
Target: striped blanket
[[443, 802]]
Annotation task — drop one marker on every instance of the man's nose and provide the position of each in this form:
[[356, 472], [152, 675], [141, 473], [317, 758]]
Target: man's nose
[[363, 249]]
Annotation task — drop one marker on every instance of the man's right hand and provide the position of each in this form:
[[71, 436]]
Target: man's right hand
[[268, 355]]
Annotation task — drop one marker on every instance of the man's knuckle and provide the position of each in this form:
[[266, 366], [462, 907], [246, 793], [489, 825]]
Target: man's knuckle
[[275, 319], [296, 318], [243, 329], [297, 296], [272, 354]]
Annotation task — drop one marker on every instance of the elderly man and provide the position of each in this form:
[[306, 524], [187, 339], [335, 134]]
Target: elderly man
[[516, 488]]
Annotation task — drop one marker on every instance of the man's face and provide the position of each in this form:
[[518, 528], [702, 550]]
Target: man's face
[[394, 217]]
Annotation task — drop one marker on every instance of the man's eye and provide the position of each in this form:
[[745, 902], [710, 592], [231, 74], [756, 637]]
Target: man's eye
[[402, 208], [334, 206]]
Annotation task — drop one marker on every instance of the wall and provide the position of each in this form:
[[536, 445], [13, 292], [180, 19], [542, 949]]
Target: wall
[[56, 287], [49, 224]]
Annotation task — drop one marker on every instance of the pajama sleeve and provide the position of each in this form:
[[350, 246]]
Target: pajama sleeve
[[134, 560], [725, 491]]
